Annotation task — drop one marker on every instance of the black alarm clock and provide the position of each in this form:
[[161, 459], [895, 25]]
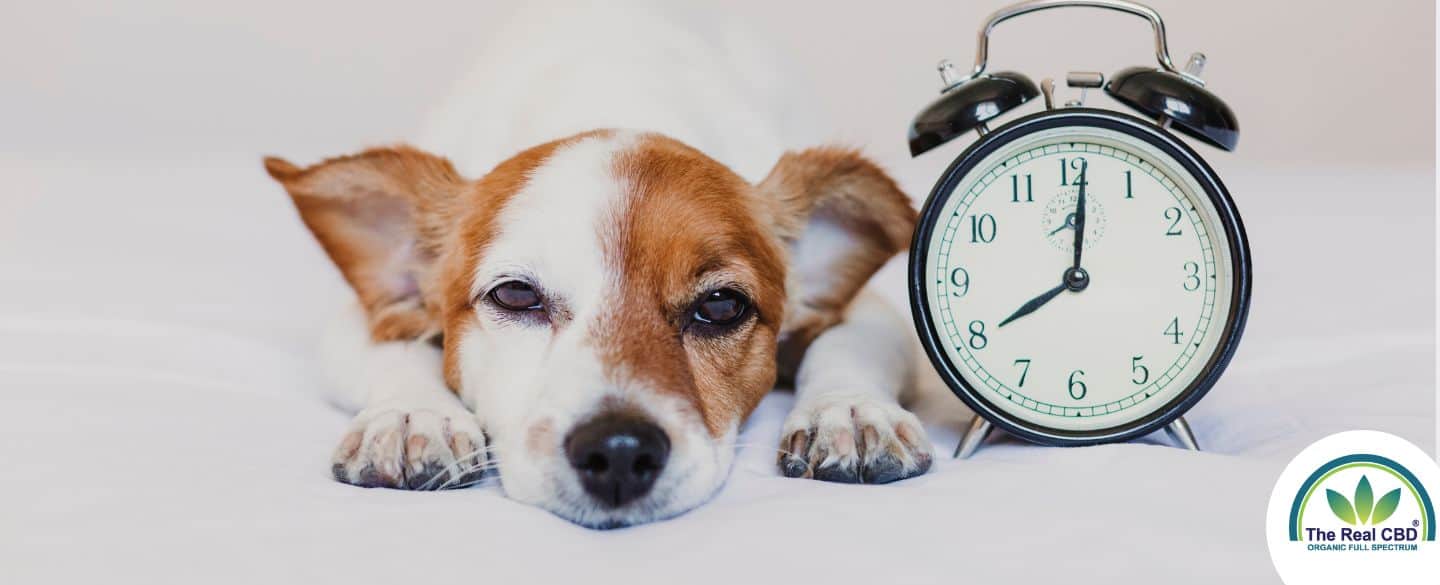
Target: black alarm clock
[[1079, 275]]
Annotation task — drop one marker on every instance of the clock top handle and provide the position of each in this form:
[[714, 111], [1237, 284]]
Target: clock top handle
[[1175, 98], [1162, 51]]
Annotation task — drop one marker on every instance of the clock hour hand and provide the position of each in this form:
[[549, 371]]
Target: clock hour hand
[[1035, 303]]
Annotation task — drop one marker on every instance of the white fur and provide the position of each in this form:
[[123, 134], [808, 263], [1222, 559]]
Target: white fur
[[516, 375], [868, 356], [361, 374]]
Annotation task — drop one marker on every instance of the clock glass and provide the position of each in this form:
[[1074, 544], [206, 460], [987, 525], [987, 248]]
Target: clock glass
[[1088, 340]]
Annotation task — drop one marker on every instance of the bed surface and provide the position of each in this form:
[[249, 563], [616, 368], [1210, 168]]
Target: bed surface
[[159, 419]]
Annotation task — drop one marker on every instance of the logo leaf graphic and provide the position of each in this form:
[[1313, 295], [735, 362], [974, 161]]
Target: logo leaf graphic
[[1364, 500], [1386, 506], [1341, 507]]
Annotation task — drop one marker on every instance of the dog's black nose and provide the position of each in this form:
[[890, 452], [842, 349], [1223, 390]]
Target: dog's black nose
[[617, 456]]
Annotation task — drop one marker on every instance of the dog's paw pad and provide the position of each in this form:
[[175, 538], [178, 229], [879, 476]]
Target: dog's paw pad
[[854, 441], [416, 450]]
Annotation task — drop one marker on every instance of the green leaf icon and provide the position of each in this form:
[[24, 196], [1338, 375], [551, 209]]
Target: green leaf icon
[[1386, 506], [1341, 507], [1364, 500]]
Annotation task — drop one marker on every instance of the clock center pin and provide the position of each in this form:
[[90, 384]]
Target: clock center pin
[[1076, 279]]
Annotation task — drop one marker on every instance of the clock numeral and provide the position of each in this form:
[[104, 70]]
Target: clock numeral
[[1077, 386], [1173, 331], [1078, 164], [1024, 372], [982, 228], [1192, 279], [977, 335], [1015, 189], [1174, 215], [960, 279], [1142, 373], [1129, 188]]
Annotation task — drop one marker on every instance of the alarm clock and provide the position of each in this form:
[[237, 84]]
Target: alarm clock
[[1079, 275]]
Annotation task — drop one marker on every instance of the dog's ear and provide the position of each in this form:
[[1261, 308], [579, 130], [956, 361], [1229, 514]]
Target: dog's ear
[[381, 215], [842, 218]]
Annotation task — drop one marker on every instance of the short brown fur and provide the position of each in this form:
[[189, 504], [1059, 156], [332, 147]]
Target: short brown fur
[[688, 216]]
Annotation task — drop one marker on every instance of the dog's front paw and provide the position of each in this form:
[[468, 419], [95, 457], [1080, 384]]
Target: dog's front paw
[[854, 440], [415, 449]]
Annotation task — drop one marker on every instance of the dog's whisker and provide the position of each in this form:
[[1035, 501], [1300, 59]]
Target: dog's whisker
[[764, 446], [454, 474], [455, 477], [449, 470], [457, 469], [464, 485], [768, 446]]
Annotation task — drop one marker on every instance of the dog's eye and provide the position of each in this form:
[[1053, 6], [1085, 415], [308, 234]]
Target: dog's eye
[[721, 307], [516, 296]]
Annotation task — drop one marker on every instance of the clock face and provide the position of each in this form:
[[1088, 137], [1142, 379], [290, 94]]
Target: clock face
[[1082, 351]]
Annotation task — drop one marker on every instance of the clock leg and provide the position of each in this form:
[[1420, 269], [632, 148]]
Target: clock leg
[[1180, 432], [974, 436]]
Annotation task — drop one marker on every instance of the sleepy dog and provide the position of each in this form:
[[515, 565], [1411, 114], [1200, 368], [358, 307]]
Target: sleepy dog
[[594, 317]]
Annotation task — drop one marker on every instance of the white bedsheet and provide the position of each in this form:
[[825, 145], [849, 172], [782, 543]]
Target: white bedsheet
[[159, 420]]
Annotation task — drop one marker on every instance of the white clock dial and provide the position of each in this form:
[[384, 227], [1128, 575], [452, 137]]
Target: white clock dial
[[1141, 330]]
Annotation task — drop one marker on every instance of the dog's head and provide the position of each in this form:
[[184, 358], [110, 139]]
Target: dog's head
[[612, 305]]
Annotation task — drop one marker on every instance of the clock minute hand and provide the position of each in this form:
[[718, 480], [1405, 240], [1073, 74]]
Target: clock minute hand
[[1035, 303], [1080, 219]]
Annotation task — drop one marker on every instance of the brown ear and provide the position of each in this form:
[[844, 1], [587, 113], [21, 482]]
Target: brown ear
[[842, 218], [381, 215]]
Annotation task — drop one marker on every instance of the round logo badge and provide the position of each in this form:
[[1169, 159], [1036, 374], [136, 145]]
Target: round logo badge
[[1355, 507]]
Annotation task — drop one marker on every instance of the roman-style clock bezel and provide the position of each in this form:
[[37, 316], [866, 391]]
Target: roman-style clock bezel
[[1190, 163]]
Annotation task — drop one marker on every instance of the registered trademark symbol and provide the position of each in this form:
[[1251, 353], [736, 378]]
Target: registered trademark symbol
[[1414, 522]]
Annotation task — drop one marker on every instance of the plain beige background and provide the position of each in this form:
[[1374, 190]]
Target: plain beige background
[[1315, 84], [1323, 91]]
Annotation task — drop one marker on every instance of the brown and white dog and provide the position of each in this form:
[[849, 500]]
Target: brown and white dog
[[596, 316]]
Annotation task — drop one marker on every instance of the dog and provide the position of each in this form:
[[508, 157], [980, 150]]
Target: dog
[[595, 316]]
